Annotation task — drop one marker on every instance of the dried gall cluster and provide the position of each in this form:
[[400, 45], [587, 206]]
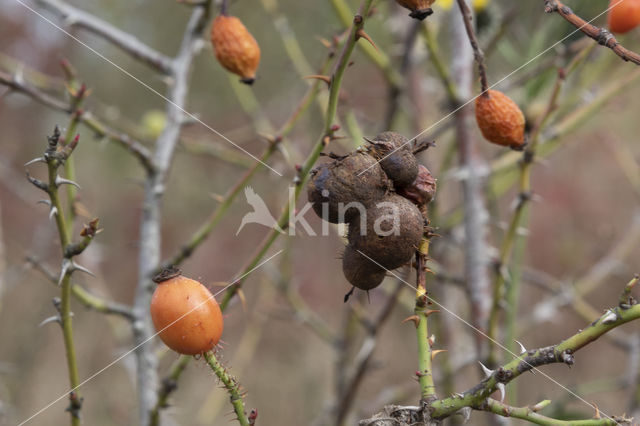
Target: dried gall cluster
[[381, 192]]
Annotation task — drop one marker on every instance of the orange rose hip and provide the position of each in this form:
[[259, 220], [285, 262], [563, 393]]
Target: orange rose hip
[[500, 120], [624, 15], [235, 47], [185, 314]]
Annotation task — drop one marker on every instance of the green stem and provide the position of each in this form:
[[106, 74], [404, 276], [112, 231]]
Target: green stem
[[378, 57], [517, 220], [526, 413], [439, 64], [231, 385], [562, 352], [425, 372], [65, 292]]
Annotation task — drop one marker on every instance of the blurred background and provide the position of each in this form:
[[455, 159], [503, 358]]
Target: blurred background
[[293, 341]]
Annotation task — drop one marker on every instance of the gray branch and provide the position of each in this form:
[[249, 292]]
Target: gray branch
[[18, 84], [150, 235], [128, 43], [475, 211]]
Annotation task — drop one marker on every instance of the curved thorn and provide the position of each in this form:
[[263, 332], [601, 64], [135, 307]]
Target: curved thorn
[[81, 268], [66, 265], [47, 202], [414, 318], [436, 352], [35, 160], [362, 34], [501, 388], [62, 181], [324, 78], [487, 372], [54, 318], [523, 350], [52, 212]]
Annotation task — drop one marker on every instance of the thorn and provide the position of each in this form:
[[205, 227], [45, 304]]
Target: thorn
[[35, 160], [61, 181], [81, 268], [54, 318], [414, 318], [37, 183], [324, 78], [523, 350], [362, 34], [47, 202], [597, 415], [501, 388], [436, 352], [52, 212], [66, 266], [428, 312], [487, 372], [465, 412], [217, 197], [610, 317]]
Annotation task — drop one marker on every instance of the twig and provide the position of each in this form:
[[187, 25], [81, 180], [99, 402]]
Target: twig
[[150, 234], [474, 204], [88, 299], [85, 117], [169, 385], [517, 219], [54, 157], [121, 39], [231, 385], [530, 414], [601, 35], [465, 10], [363, 358], [561, 353]]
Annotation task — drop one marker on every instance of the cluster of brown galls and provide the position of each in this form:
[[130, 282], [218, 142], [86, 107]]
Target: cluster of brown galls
[[381, 192]]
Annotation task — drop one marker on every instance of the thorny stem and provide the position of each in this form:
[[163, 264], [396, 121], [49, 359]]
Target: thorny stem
[[528, 413], [477, 52], [425, 371], [231, 385], [560, 353], [224, 5], [303, 175], [77, 97], [601, 35], [85, 297], [55, 157]]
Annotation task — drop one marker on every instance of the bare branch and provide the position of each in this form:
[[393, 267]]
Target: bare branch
[[123, 40], [601, 35], [86, 117]]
